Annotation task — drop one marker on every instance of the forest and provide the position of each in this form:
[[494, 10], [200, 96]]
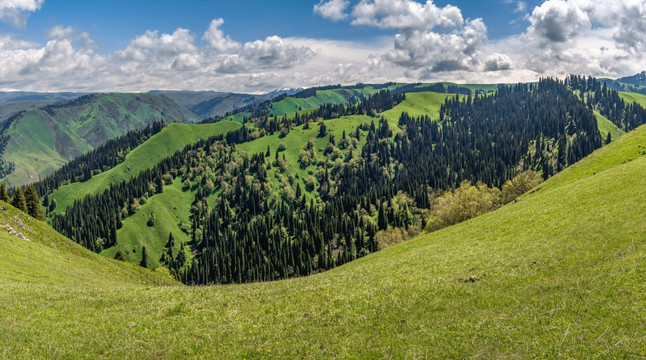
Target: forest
[[356, 194]]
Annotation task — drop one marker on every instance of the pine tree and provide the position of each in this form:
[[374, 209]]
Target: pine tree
[[33, 203], [3, 193], [18, 200], [144, 258], [609, 138], [119, 256]]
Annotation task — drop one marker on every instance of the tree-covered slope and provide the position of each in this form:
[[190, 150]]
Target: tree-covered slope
[[172, 138], [292, 196], [557, 274], [38, 141]]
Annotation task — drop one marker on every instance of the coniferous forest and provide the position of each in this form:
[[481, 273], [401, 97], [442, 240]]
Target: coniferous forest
[[256, 233]]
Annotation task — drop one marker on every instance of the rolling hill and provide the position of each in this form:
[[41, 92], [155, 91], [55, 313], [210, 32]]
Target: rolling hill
[[160, 146], [304, 162], [38, 141], [558, 273]]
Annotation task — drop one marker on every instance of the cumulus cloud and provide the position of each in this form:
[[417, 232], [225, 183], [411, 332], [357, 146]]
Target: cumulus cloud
[[437, 39], [67, 61], [216, 39], [332, 9], [558, 21], [497, 62], [15, 12]]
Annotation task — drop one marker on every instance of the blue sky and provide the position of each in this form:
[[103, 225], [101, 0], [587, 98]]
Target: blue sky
[[113, 23], [256, 46]]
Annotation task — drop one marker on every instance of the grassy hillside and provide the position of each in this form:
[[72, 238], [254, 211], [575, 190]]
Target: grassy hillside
[[171, 139], [41, 140], [417, 104], [559, 274], [606, 126], [169, 209], [291, 104], [634, 97]]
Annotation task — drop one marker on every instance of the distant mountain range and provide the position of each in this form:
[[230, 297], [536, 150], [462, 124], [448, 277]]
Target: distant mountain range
[[15, 101], [37, 141], [635, 83], [207, 104]]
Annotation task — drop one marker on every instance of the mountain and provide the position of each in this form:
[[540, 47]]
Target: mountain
[[16, 101], [207, 104], [38, 141], [637, 79], [302, 190], [635, 83], [557, 273]]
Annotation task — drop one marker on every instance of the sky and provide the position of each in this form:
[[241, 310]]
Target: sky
[[260, 45]]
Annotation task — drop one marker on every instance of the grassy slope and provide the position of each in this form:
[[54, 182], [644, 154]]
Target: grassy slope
[[417, 104], [634, 97], [76, 129], [32, 146], [631, 147], [136, 234], [171, 139], [169, 207], [560, 275], [606, 126]]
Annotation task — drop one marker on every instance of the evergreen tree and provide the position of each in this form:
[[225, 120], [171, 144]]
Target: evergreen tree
[[3, 193], [33, 203], [144, 258], [52, 205], [322, 130], [119, 256], [608, 138], [18, 200]]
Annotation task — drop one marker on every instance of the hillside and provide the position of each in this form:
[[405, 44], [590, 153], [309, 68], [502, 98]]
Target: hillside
[[171, 139], [556, 274], [39, 141], [207, 104], [335, 176], [12, 102]]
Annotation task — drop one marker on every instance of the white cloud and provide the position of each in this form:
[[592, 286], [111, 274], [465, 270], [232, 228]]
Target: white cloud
[[497, 62], [405, 14], [431, 43], [16, 12], [332, 9], [557, 21], [59, 32], [216, 39]]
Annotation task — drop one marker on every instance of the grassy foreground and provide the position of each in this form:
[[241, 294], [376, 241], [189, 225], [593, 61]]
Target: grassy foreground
[[560, 273]]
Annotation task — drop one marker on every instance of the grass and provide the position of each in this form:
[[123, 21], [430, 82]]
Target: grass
[[606, 126], [295, 140], [162, 145], [40, 142], [634, 97], [417, 104], [631, 147], [560, 274], [170, 207]]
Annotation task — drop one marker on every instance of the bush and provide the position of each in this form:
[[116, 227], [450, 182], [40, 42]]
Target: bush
[[463, 203], [119, 256], [519, 185]]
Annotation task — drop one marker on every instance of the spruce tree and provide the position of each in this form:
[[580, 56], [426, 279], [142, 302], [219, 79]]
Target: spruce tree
[[18, 200], [609, 138], [144, 258], [33, 203], [3, 193]]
